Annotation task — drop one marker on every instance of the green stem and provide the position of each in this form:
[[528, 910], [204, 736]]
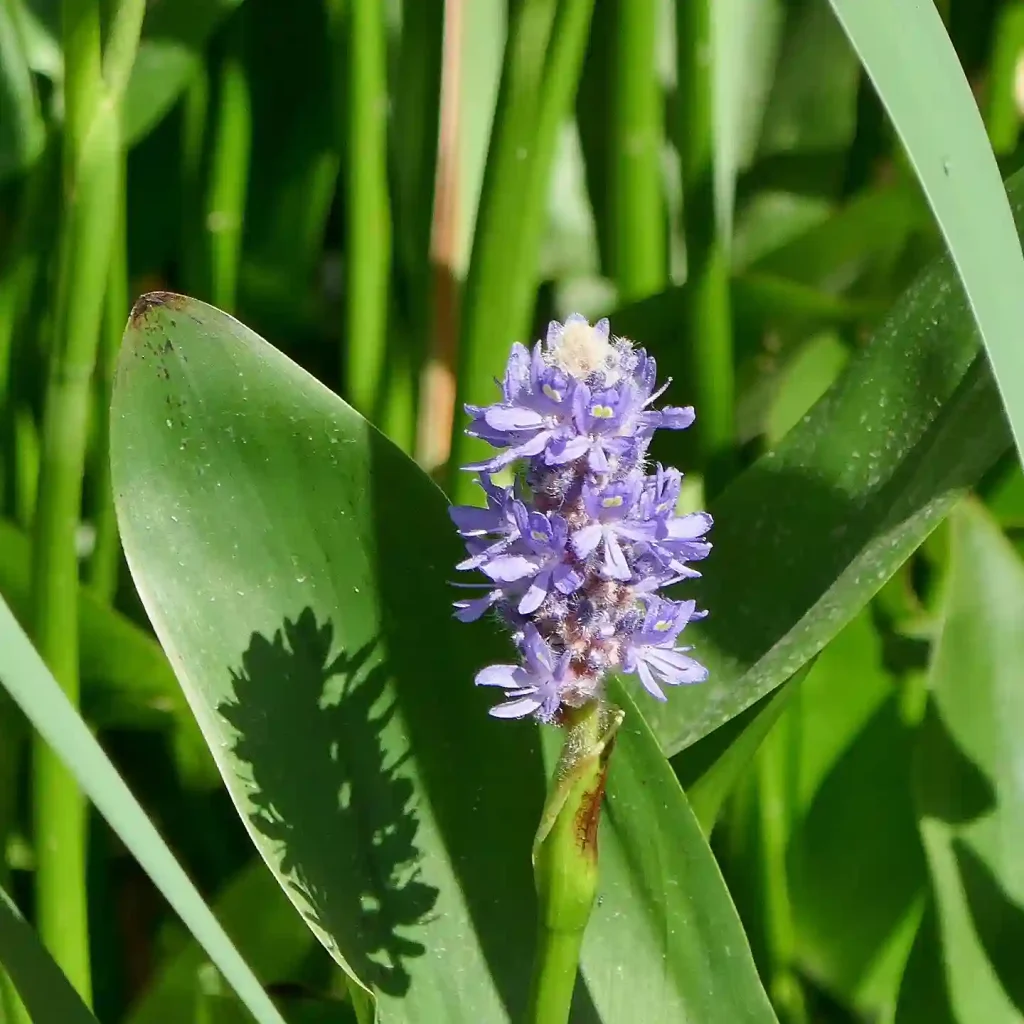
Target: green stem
[[229, 174], [90, 164], [543, 58], [103, 566], [195, 110], [368, 245], [413, 149], [637, 203], [122, 45], [561, 80], [557, 963], [707, 315], [565, 862]]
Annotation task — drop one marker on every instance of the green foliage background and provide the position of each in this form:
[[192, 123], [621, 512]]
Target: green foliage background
[[797, 206]]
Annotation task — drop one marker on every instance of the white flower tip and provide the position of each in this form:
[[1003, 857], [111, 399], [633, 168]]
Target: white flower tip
[[580, 349]]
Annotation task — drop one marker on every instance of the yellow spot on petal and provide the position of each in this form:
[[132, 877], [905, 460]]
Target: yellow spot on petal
[[537, 535], [552, 393], [663, 626], [614, 502], [602, 412]]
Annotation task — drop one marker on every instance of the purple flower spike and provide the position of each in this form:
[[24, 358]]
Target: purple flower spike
[[575, 553]]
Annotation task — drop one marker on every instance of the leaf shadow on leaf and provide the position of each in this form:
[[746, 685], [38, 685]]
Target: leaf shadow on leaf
[[484, 778], [998, 920], [344, 815], [955, 790], [950, 786]]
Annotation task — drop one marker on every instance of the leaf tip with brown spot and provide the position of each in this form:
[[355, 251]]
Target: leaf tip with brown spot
[[152, 300]]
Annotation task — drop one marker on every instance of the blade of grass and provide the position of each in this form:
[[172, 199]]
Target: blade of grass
[[543, 57], [904, 48], [637, 202], [42, 699], [368, 212], [45, 990]]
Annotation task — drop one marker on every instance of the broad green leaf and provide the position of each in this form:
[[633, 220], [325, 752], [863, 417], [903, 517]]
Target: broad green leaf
[[22, 132], [970, 789], [29, 682], [294, 564], [247, 490], [904, 48], [653, 856], [46, 993], [811, 531], [126, 678]]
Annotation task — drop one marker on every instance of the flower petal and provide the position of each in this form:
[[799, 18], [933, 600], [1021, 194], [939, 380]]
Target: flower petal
[[516, 708], [509, 568], [470, 611], [534, 597], [586, 539], [690, 527], [650, 684], [514, 418], [615, 565], [497, 675], [674, 666]]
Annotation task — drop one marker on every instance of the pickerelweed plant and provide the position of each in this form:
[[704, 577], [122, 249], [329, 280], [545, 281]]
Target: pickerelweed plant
[[577, 548], [575, 551]]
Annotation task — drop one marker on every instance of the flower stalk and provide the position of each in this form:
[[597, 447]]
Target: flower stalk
[[565, 859]]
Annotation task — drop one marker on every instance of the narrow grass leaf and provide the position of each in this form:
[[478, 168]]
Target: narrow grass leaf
[[904, 48], [42, 986]]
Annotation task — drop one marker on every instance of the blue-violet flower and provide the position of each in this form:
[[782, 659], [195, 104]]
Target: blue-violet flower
[[575, 550]]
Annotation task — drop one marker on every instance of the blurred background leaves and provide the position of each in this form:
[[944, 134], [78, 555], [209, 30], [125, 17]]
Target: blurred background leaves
[[394, 192]]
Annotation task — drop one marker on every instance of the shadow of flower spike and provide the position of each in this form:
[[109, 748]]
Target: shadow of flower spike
[[310, 732]]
